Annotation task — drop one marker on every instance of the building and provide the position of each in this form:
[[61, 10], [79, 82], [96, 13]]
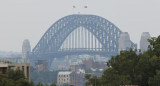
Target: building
[[69, 78], [88, 64], [124, 41], [77, 78], [63, 78], [26, 48], [76, 67], [144, 41], [41, 65], [8, 64]]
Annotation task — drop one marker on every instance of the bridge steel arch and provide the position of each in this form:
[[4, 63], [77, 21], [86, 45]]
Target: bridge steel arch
[[106, 33]]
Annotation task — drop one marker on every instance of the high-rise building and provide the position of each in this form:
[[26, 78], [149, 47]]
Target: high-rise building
[[26, 48], [144, 41], [124, 41]]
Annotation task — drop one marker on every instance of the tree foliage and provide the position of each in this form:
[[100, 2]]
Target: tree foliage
[[53, 84], [130, 68], [17, 78], [13, 78], [91, 81]]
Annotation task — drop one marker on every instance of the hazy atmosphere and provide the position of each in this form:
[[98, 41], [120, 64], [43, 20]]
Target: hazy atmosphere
[[30, 19]]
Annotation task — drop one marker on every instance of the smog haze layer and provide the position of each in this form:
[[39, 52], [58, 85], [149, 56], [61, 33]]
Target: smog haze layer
[[30, 19]]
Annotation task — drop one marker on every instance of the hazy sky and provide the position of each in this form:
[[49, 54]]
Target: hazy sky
[[30, 19]]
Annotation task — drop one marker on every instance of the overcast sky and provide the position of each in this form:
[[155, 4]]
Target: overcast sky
[[30, 19]]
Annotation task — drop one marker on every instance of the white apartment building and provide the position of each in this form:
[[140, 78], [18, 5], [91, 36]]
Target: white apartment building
[[63, 78], [71, 78]]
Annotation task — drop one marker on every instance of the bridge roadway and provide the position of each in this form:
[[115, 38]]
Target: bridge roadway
[[62, 53]]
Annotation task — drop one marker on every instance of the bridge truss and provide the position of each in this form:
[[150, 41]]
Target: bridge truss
[[91, 34]]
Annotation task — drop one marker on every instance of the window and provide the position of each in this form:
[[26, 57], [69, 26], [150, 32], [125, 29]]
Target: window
[[23, 68], [11, 67]]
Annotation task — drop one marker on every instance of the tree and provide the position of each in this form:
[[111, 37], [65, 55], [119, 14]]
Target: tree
[[39, 84], [155, 81], [15, 74], [22, 82], [6, 82], [154, 47], [53, 84], [91, 81], [13, 78], [87, 76], [131, 68]]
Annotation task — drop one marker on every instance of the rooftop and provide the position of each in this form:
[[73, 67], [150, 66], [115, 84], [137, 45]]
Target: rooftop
[[13, 60], [64, 73]]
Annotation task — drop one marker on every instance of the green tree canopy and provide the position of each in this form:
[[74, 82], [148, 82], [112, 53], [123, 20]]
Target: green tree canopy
[[130, 68], [13, 78]]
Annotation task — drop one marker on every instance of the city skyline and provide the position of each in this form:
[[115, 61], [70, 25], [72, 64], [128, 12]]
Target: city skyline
[[31, 19]]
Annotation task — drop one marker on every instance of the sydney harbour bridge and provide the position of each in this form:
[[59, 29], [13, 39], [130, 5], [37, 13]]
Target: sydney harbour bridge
[[76, 35]]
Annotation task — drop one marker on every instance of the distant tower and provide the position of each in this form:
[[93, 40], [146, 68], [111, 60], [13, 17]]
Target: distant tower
[[144, 41], [26, 48], [124, 41]]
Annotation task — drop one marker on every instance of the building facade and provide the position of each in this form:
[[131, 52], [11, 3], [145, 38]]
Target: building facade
[[26, 48], [77, 79], [144, 41], [63, 78], [124, 41], [68, 78]]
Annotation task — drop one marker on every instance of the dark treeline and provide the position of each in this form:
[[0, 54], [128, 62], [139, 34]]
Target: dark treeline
[[132, 68], [17, 78]]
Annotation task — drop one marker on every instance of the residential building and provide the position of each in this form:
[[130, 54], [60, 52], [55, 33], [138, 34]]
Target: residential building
[[63, 78], [68, 78], [77, 79]]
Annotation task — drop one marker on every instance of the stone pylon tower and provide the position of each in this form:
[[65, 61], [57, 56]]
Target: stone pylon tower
[[144, 41], [26, 48], [124, 41]]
